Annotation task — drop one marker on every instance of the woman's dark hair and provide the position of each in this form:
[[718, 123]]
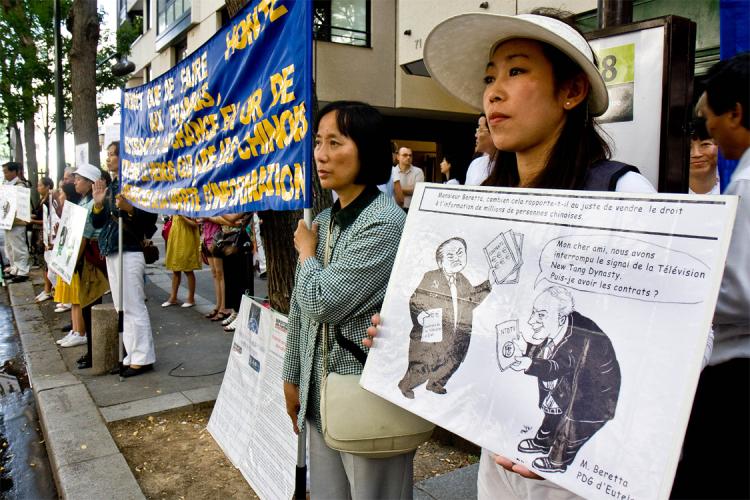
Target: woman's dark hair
[[70, 193], [12, 166], [106, 177], [364, 125], [698, 130], [46, 181], [580, 143], [116, 144]]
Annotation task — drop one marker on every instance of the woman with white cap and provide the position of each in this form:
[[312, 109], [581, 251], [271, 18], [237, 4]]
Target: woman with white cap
[[88, 282], [536, 79]]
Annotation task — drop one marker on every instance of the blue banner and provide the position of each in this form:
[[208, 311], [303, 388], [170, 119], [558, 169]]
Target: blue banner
[[226, 130]]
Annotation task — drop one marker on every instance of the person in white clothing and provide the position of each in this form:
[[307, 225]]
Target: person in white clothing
[[479, 168], [535, 77], [720, 421], [16, 248], [405, 177]]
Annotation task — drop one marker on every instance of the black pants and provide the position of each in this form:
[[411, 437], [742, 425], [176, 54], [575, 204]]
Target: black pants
[[434, 361], [238, 278], [564, 436], [716, 453]]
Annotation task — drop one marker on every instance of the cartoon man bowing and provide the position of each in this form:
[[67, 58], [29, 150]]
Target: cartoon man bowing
[[579, 378], [441, 309]]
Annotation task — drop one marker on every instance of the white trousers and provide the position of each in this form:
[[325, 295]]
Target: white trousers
[[494, 482], [16, 250], [137, 336], [335, 475]]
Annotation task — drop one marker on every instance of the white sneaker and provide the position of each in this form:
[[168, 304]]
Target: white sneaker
[[65, 338], [231, 326], [230, 319], [61, 308], [43, 296], [75, 339]]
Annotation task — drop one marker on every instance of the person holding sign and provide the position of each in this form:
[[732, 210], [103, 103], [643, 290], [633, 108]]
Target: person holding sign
[[15, 238], [138, 225], [338, 295], [536, 79]]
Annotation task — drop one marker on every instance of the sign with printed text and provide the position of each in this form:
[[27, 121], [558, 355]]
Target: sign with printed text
[[584, 365], [249, 419], [8, 203], [69, 239], [226, 130]]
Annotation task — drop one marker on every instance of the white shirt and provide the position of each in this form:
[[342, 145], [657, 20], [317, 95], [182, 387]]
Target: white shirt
[[409, 179], [732, 315], [478, 171]]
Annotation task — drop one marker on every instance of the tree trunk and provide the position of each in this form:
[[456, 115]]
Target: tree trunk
[[84, 27], [31, 165], [18, 147], [277, 232]]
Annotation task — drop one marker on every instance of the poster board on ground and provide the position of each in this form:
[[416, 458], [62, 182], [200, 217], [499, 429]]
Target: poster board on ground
[[597, 339], [69, 238], [8, 202], [249, 419], [23, 205]]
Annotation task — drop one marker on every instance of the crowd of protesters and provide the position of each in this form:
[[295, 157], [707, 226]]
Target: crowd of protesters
[[541, 92]]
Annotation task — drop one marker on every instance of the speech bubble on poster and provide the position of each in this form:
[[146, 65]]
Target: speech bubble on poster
[[623, 267]]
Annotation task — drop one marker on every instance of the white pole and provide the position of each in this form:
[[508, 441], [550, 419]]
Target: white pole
[[120, 312]]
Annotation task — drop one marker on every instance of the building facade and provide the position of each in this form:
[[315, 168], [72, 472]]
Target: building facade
[[371, 50]]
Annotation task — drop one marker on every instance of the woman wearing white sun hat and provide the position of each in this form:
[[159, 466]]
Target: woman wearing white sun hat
[[536, 79]]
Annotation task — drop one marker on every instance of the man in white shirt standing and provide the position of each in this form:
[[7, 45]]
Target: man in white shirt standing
[[479, 168], [405, 177], [720, 421], [15, 238]]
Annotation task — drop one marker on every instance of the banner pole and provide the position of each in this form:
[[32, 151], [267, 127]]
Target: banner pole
[[120, 312]]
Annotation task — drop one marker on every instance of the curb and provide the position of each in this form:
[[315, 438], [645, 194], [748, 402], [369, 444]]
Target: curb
[[84, 459]]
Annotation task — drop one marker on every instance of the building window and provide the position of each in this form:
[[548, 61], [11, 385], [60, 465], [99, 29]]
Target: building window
[[342, 21], [180, 50], [170, 12]]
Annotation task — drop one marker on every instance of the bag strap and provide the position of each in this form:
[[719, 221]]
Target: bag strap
[[342, 341]]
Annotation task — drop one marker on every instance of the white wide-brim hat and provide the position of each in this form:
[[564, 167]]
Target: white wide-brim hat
[[458, 49], [88, 171]]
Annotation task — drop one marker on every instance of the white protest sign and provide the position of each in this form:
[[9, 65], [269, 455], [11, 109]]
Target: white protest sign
[[249, 419], [82, 154], [69, 238], [23, 205], [46, 225], [8, 202], [584, 368]]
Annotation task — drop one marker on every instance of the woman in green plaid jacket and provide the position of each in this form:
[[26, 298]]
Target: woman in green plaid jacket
[[352, 156]]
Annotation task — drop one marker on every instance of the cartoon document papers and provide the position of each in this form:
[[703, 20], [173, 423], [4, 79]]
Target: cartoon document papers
[[504, 256], [507, 346], [432, 325]]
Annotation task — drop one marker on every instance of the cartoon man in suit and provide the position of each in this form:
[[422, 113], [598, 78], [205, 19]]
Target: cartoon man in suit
[[441, 311], [578, 375]]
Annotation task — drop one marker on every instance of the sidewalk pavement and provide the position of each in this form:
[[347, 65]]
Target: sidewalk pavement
[[191, 355]]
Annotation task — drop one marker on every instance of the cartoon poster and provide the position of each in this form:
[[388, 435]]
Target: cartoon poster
[[8, 202], [583, 366], [46, 225], [23, 205], [249, 420], [69, 238]]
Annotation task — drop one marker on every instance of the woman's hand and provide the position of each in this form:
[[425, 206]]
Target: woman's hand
[[99, 192], [372, 331], [291, 395], [305, 240], [123, 204], [511, 466]]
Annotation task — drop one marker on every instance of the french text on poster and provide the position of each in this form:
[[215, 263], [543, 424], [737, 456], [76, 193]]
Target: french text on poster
[[200, 141], [249, 420], [555, 368]]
